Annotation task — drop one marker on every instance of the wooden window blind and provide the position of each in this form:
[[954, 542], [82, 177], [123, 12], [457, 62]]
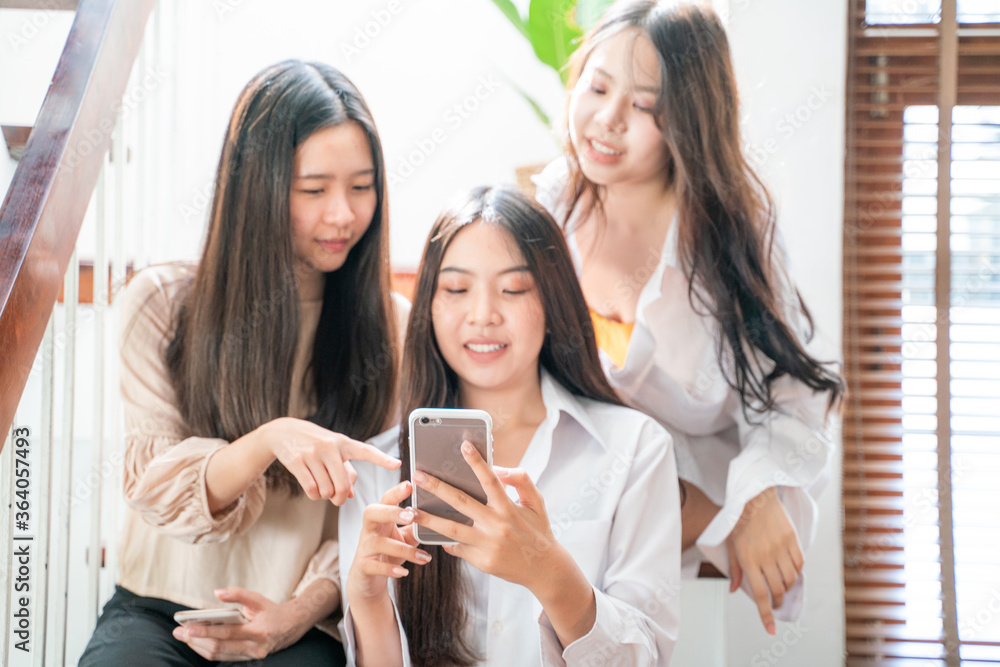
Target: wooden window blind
[[921, 431]]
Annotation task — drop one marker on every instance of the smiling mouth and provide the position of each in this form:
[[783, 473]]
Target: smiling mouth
[[478, 347], [603, 149]]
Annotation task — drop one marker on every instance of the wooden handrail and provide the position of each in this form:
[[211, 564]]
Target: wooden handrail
[[48, 196]]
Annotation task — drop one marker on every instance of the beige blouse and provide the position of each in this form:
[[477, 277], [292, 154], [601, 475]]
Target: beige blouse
[[171, 546]]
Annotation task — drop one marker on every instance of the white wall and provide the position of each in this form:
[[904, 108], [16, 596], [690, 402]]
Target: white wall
[[30, 44], [413, 65], [790, 58]]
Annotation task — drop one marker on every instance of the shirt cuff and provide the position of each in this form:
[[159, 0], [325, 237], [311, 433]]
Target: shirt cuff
[[325, 564], [616, 637], [756, 477], [799, 505], [240, 515]]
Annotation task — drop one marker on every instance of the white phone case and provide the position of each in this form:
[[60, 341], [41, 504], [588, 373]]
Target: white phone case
[[222, 616], [441, 432]]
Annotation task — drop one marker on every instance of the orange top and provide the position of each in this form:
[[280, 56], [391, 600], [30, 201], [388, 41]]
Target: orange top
[[612, 337]]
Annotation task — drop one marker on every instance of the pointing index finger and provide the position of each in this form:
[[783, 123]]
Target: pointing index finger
[[761, 596], [362, 451]]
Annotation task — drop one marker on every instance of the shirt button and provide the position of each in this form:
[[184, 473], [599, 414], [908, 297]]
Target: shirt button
[[497, 627]]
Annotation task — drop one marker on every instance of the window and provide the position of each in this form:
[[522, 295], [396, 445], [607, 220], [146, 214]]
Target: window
[[909, 12], [922, 334]]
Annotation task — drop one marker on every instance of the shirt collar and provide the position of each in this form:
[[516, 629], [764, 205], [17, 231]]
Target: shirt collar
[[559, 401], [669, 255]]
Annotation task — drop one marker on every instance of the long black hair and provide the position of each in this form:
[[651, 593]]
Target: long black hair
[[432, 598], [237, 326], [725, 217]]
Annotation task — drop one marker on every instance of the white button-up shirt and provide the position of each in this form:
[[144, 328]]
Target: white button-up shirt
[[609, 480], [672, 373]]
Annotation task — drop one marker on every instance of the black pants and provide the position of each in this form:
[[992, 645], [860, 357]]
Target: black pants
[[135, 630]]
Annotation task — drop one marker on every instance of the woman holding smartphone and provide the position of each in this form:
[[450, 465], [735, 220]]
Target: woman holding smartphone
[[246, 385], [700, 326], [586, 560]]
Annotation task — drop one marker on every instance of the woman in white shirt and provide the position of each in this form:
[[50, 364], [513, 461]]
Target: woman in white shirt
[[699, 325], [587, 562]]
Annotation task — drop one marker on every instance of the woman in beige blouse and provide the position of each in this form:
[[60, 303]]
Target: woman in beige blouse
[[248, 383]]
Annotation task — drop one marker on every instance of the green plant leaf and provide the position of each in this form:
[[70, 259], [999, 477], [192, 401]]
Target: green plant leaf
[[554, 32], [539, 111], [535, 106], [510, 11], [589, 12]]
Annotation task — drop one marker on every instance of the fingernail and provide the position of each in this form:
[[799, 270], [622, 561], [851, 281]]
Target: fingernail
[[500, 472], [219, 591], [467, 447], [771, 630], [423, 556], [401, 571], [179, 633], [406, 515], [419, 476]]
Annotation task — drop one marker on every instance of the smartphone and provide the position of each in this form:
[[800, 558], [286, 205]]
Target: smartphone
[[436, 436], [222, 616]]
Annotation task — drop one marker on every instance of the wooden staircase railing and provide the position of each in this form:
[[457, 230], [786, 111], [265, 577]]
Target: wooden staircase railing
[[45, 204]]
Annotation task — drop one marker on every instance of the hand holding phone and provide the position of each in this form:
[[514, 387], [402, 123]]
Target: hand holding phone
[[384, 546], [510, 539], [436, 436]]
